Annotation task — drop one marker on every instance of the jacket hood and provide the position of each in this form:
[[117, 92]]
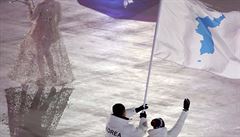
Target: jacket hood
[[160, 132]]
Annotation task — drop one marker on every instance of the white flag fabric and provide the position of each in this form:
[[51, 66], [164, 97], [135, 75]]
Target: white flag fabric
[[191, 34]]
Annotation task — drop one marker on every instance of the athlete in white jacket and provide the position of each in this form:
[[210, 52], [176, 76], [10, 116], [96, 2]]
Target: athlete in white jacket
[[118, 123], [159, 129]]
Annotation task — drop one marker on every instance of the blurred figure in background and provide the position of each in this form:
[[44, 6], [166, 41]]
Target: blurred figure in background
[[43, 57], [46, 16]]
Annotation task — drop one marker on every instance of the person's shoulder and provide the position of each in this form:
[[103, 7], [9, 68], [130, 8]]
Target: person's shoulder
[[161, 132], [128, 126]]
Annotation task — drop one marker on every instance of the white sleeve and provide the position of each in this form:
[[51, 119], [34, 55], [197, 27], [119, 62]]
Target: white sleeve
[[178, 126], [130, 112], [139, 131], [143, 125]]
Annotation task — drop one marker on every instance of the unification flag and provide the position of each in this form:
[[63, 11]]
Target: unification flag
[[191, 34]]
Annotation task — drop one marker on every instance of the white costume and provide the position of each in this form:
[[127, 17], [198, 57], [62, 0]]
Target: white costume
[[120, 127], [174, 132]]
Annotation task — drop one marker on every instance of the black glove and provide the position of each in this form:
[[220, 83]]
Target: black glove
[[143, 114], [141, 108], [186, 104]]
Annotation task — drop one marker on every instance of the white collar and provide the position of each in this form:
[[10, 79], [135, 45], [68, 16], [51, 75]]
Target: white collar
[[158, 131], [116, 119]]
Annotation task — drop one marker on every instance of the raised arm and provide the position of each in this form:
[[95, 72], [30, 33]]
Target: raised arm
[[174, 132], [132, 111]]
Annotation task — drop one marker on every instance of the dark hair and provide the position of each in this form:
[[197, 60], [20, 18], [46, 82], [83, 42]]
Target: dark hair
[[118, 109], [157, 123]]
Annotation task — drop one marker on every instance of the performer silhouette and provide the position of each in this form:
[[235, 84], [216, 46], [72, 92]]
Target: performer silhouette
[[43, 57], [47, 16]]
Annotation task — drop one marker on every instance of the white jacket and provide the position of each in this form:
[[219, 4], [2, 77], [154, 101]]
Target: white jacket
[[119, 127], [174, 132]]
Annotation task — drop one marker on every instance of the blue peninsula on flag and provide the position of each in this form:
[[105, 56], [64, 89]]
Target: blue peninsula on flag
[[196, 36]]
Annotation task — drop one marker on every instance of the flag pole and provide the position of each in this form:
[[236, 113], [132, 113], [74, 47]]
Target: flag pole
[[151, 58]]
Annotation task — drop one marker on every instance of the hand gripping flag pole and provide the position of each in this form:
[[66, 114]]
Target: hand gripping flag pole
[[151, 58]]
